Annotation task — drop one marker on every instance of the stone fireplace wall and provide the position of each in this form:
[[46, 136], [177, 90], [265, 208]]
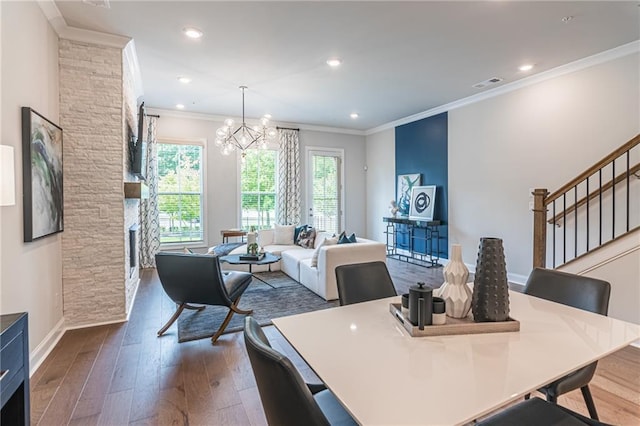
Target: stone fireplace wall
[[95, 274]]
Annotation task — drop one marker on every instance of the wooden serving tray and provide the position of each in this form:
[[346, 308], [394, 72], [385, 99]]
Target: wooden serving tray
[[454, 325]]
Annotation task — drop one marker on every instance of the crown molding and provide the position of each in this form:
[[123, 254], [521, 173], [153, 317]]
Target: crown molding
[[218, 118], [64, 31], [53, 15], [589, 61]]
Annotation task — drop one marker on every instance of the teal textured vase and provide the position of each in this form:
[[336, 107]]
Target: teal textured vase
[[490, 301]]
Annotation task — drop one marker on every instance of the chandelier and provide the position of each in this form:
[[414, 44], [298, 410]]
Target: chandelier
[[244, 137]]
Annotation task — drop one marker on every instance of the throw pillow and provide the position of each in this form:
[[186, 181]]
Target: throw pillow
[[284, 234], [187, 250], [344, 240], [297, 231], [306, 238], [352, 238], [316, 252]]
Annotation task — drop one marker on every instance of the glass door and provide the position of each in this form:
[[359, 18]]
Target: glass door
[[324, 190]]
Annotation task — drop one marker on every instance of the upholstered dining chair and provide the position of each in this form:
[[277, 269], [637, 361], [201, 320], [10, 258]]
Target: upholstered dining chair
[[535, 412], [197, 278], [589, 294], [361, 282], [286, 398]]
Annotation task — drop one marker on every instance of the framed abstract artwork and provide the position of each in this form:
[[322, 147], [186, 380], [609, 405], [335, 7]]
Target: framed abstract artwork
[[41, 176], [423, 200], [405, 184]]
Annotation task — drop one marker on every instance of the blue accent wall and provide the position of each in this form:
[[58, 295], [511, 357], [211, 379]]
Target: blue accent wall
[[421, 147]]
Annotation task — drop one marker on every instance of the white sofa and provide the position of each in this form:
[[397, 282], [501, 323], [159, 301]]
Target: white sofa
[[296, 261]]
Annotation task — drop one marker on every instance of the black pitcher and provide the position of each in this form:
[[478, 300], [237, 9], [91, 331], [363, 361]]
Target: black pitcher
[[420, 300]]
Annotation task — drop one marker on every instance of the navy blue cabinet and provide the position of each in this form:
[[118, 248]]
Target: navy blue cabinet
[[14, 370]]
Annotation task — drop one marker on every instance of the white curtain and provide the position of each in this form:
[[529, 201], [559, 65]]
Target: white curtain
[[149, 213], [289, 178]]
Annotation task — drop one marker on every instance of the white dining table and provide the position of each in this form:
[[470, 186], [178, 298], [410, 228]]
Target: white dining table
[[383, 376]]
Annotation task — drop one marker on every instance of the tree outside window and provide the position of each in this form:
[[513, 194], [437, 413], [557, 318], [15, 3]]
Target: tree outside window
[[258, 189], [180, 192]]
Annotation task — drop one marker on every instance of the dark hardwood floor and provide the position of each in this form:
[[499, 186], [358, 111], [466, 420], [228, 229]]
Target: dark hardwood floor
[[123, 374]]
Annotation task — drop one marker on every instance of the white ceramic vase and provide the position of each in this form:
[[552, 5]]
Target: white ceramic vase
[[455, 291], [252, 237]]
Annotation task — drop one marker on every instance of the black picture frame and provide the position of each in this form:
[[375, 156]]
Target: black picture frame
[[42, 176]]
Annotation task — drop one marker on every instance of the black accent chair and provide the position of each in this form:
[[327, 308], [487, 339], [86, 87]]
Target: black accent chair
[[589, 294], [197, 278], [361, 282], [286, 398], [536, 412]]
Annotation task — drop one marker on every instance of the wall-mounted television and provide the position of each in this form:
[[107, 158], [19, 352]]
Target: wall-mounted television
[[139, 146]]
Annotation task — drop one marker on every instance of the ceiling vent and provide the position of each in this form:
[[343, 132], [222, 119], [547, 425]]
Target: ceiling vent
[[491, 81], [98, 3]]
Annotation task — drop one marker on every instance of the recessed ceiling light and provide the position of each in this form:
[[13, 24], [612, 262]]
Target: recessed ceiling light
[[566, 19], [179, 106], [354, 115], [184, 80], [334, 62], [525, 67], [192, 32]]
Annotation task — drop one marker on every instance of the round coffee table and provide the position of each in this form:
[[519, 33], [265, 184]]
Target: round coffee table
[[268, 259]]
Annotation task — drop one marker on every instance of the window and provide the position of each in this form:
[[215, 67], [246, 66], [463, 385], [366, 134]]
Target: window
[[180, 192], [258, 189]]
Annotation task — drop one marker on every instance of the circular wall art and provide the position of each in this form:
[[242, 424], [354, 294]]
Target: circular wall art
[[422, 202]]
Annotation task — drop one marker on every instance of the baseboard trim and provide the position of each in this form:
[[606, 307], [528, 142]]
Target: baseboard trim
[[135, 294], [609, 260], [96, 324], [40, 353]]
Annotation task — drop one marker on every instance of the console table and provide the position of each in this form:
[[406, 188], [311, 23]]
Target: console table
[[413, 241], [226, 233], [14, 369]]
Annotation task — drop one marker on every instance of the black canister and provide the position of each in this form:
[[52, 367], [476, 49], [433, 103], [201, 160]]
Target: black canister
[[405, 305], [420, 301]]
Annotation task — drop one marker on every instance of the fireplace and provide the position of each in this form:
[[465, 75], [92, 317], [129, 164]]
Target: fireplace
[[133, 248]]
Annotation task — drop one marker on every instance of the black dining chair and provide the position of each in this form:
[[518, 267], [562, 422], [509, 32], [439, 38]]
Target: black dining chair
[[589, 294], [286, 398], [536, 412], [361, 282], [197, 278]]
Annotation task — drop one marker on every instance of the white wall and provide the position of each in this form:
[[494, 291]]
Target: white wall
[[538, 136], [222, 203], [381, 178], [619, 264], [31, 273], [355, 175]]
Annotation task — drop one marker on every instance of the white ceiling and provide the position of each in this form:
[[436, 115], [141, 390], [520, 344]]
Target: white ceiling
[[400, 58]]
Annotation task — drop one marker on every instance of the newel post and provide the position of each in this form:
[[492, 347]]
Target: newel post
[[539, 227]]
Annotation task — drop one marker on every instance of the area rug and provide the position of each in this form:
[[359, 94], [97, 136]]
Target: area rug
[[285, 297]]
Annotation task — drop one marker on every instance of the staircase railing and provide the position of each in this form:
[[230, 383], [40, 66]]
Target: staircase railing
[[568, 216]]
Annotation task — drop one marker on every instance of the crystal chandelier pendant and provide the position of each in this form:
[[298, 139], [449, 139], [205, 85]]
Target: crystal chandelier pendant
[[244, 137]]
